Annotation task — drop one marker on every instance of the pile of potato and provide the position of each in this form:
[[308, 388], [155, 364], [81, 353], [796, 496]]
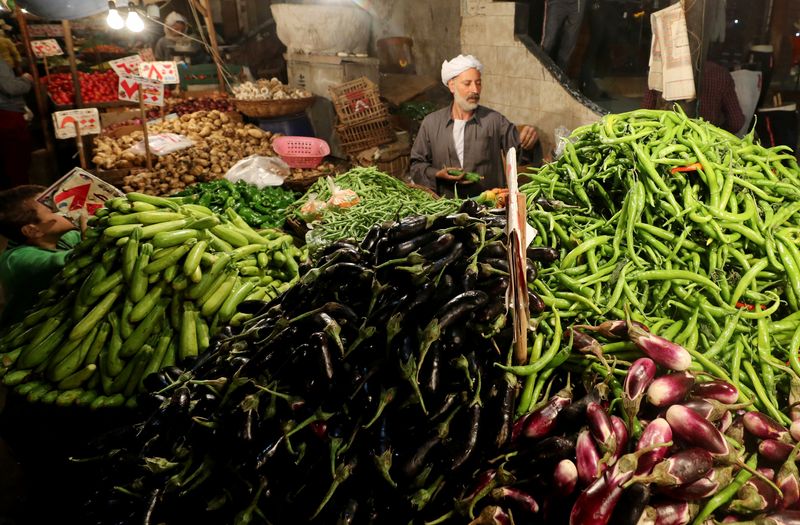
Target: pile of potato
[[263, 89], [220, 142]]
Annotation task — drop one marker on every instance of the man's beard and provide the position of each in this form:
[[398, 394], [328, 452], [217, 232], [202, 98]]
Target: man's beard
[[466, 105]]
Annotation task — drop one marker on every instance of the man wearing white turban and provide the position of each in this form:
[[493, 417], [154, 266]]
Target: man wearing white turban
[[465, 136]]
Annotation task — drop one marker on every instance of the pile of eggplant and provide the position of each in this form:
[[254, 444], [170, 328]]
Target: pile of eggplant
[[368, 393], [666, 446]]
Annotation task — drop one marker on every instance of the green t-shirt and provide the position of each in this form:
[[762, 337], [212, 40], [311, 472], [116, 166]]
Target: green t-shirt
[[27, 270]]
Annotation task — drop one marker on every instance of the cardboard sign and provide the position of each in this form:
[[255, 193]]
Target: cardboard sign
[[152, 92], [164, 72], [127, 66], [46, 48], [78, 193], [40, 30], [64, 122]]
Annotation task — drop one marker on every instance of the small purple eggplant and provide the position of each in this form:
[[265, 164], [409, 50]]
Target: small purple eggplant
[[587, 458], [565, 477], [756, 495], [774, 451], [702, 488], [602, 429], [639, 376], [764, 427], [735, 430], [522, 499], [595, 505], [612, 329], [657, 431], [711, 409], [695, 430], [541, 422], [794, 430], [663, 351], [683, 467], [492, 515], [788, 480], [722, 391], [621, 435], [670, 389], [670, 513], [725, 422], [583, 343]]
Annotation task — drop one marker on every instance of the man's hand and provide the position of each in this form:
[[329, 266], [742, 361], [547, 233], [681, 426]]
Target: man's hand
[[528, 137], [27, 76], [442, 174]]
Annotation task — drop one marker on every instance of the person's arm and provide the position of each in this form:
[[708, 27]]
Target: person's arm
[[509, 136], [69, 240], [422, 172], [12, 85], [160, 50]]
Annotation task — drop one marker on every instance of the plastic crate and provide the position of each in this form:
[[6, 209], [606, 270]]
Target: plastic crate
[[301, 152], [365, 135], [357, 101]]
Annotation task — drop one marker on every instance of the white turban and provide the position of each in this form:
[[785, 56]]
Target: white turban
[[457, 66], [174, 17]]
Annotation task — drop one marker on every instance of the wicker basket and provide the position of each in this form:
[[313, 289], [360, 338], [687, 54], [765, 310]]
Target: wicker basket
[[357, 101], [365, 135], [273, 108]]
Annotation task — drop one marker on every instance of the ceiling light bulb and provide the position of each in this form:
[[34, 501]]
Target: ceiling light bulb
[[114, 19], [134, 22]]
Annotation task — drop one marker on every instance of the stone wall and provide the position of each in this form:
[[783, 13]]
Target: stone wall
[[519, 80]]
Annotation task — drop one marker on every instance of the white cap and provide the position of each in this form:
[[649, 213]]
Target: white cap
[[174, 17], [458, 65]]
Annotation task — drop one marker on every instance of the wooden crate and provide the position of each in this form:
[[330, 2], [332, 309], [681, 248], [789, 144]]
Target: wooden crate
[[357, 101], [365, 135]]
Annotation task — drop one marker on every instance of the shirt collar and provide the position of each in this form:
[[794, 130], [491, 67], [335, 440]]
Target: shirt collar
[[474, 116]]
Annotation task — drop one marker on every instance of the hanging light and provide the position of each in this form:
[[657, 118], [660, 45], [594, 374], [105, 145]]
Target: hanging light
[[114, 19], [134, 22]]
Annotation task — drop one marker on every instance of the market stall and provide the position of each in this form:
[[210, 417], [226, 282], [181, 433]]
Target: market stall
[[361, 365]]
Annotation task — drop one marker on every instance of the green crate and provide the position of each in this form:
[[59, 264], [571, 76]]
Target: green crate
[[204, 74]]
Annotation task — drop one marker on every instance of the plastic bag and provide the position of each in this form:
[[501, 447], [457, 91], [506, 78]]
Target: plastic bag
[[312, 209], [163, 144], [561, 135], [259, 171], [341, 198]]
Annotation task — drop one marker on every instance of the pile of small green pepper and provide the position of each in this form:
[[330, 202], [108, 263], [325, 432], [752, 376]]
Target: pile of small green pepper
[[693, 229], [260, 208]]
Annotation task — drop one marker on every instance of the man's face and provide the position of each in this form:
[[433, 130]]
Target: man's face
[[466, 89], [50, 223]]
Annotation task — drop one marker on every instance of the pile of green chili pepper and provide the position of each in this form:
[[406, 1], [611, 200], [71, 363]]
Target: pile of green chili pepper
[[260, 208], [381, 198], [692, 228]]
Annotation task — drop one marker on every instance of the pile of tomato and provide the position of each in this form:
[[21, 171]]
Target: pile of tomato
[[95, 87]]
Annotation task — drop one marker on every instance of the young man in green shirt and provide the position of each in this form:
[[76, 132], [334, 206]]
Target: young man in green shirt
[[39, 241]]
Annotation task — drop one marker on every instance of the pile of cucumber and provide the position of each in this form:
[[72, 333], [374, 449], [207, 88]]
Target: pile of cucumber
[[153, 280]]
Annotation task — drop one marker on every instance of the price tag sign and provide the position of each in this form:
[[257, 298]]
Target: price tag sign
[[152, 92], [78, 193], [88, 120], [127, 66], [164, 72], [46, 48]]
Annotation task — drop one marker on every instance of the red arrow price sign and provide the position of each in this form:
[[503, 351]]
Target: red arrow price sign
[[78, 193], [152, 92], [164, 72], [127, 66], [87, 119]]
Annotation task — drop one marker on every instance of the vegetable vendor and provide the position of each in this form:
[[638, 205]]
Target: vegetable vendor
[[177, 44], [39, 242], [466, 136]]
